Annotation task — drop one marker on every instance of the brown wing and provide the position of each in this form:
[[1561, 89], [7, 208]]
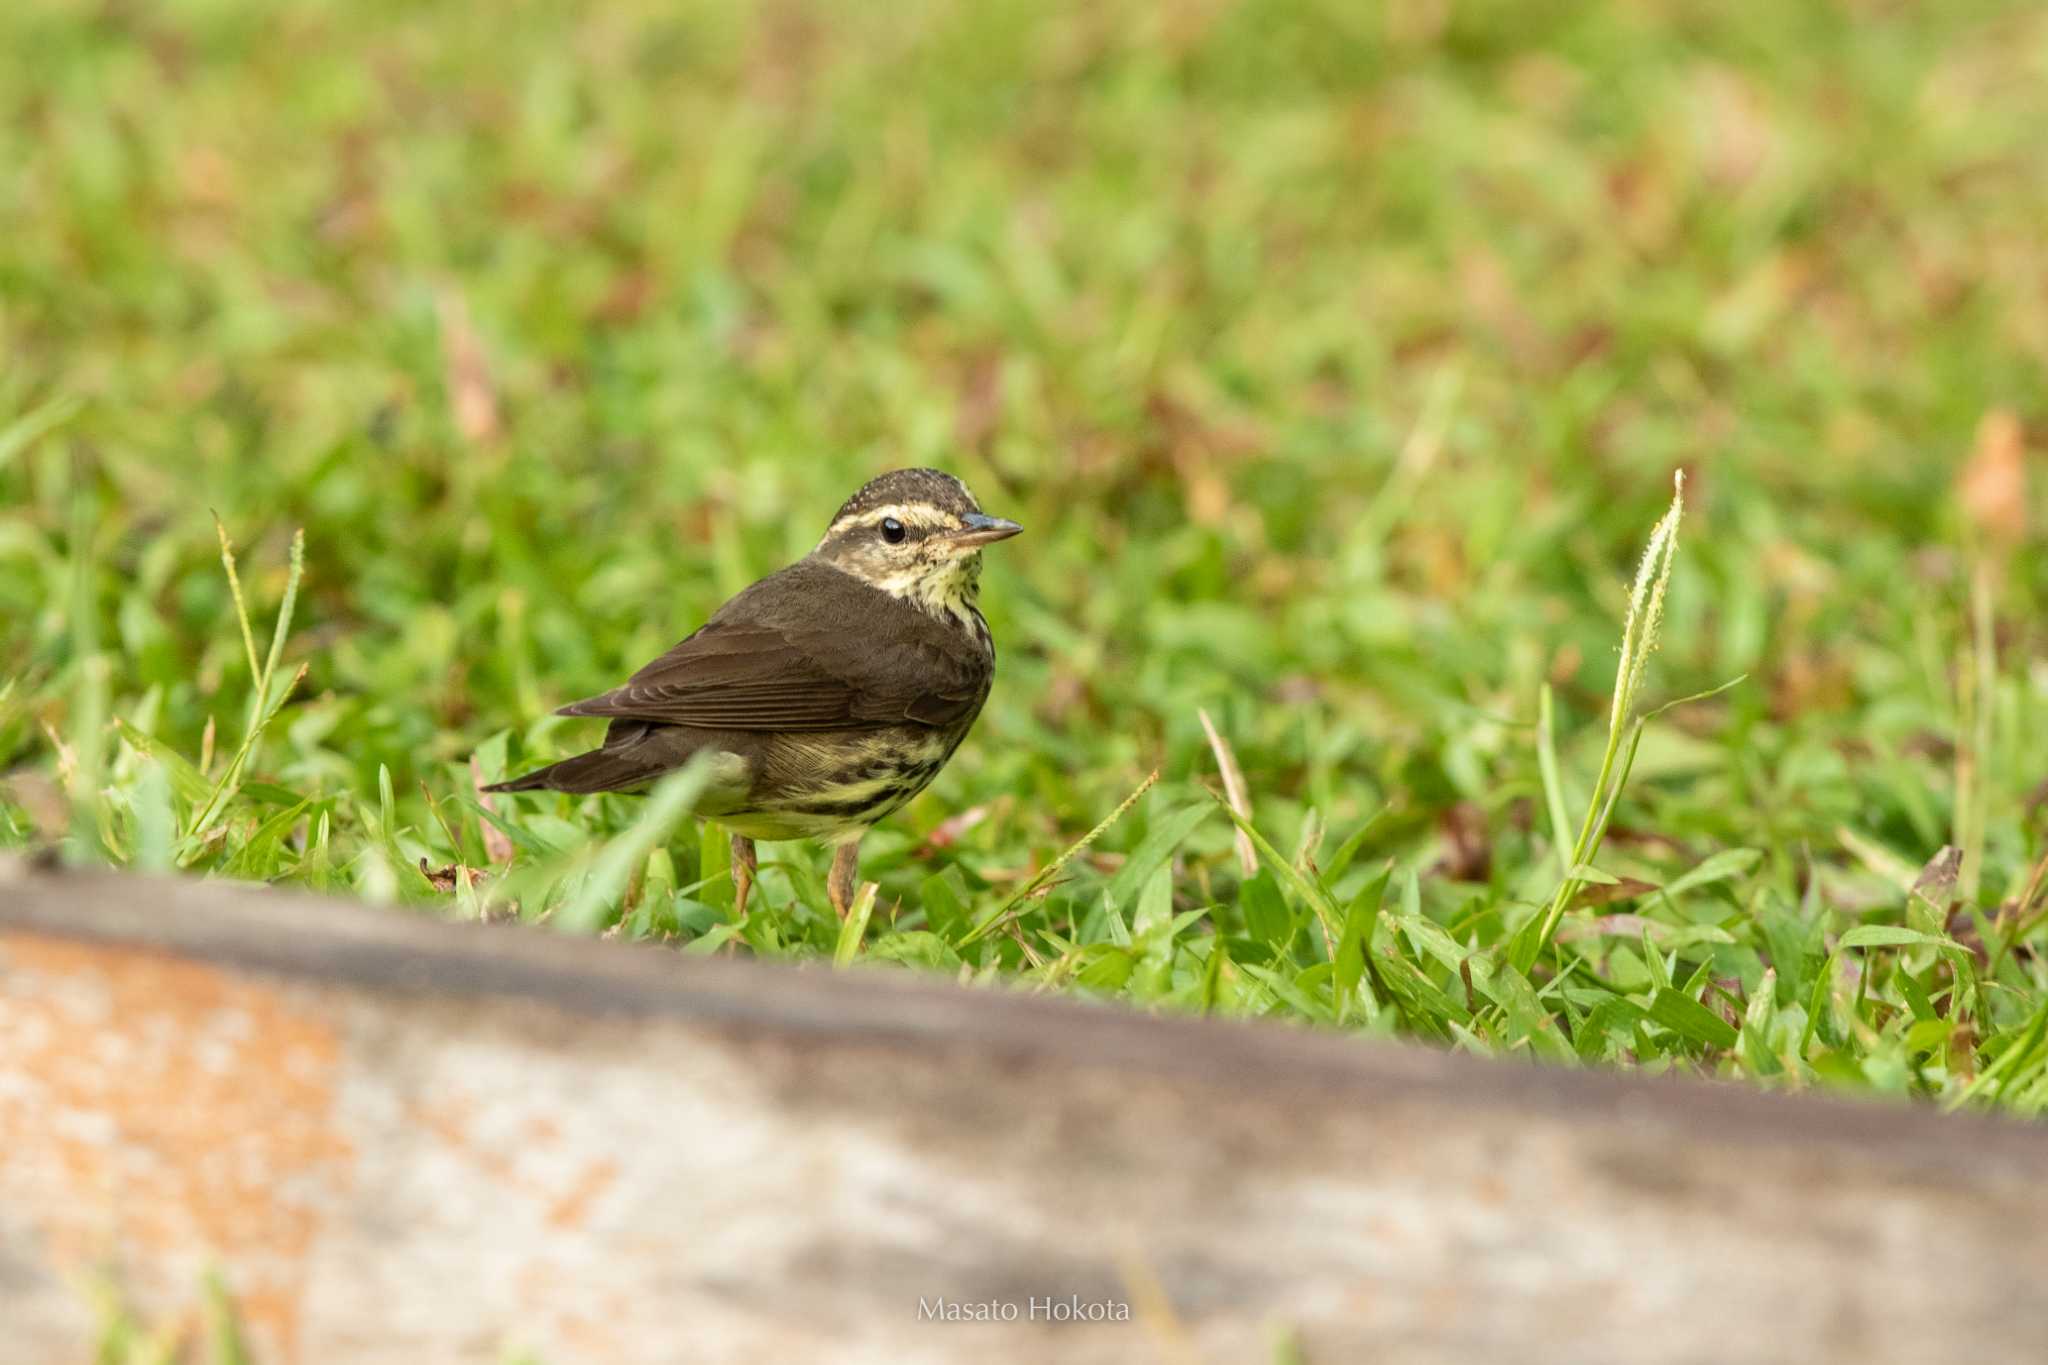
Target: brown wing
[[732, 678], [812, 665]]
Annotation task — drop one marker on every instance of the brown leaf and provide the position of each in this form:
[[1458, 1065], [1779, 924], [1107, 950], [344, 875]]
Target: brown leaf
[[950, 830], [1962, 927], [44, 801], [1739, 134], [1650, 840], [1809, 680], [67, 758], [633, 289], [1722, 1001], [443, 879], [497, 847], [1936, 883], [1993, 485], [1613, 926], [1468, 846], [471, 399], [1603, 893]]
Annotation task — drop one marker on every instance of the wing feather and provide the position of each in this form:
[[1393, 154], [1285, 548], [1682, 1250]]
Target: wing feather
[[734, 676]]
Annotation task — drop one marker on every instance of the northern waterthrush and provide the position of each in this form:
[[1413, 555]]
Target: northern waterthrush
[[829, 693]]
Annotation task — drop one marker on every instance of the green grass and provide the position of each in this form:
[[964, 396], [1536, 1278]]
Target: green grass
[[1338, 363]]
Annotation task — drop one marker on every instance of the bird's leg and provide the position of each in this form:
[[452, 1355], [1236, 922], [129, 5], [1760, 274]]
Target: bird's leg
[[743, 869], [845, 875]]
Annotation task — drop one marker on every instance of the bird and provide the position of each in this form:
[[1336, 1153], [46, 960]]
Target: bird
[[827, 694]]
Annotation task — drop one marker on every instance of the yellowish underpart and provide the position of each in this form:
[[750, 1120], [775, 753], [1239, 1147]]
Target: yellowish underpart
[[800, 774]]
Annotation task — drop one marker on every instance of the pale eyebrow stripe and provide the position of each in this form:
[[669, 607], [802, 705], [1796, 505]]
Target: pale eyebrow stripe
[[910, 514]]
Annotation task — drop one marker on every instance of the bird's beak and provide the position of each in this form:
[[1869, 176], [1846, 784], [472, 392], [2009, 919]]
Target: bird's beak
[[982, 531]]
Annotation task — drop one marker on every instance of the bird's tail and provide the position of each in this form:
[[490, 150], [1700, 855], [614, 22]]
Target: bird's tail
[[600, 770]]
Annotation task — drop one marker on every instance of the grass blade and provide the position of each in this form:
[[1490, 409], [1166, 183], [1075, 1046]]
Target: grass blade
[[1004, 912], [1234, 789], [668, 805], [854, 927], [1639, 634]]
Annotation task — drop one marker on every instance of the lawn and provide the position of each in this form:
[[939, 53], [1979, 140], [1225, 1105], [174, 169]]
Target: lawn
[[1339, 362]]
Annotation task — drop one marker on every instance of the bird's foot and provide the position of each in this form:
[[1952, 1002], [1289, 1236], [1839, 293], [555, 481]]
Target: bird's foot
[[746, 870], [845, 877]]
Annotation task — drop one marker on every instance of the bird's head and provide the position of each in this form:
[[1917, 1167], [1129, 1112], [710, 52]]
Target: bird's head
[[916, 534]]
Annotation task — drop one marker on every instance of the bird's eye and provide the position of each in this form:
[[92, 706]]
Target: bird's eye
[[892, 530]]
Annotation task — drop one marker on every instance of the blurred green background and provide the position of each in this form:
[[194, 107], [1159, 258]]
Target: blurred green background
[[1337, 358]]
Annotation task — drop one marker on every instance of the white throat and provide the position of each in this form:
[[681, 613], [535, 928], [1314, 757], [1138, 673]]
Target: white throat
[[946, 593]]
